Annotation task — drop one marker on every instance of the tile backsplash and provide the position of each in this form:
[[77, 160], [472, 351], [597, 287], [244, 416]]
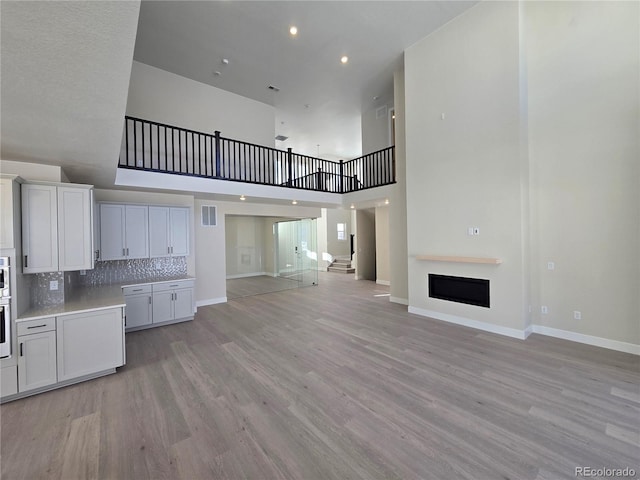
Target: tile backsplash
[[104, 273], [118, 271], [41, 294]]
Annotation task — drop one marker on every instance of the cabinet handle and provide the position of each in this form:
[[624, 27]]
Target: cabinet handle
[[171, 249], [124, 252], [137, 290], [26, 264], [149, 300], [174, 286], [127, 251], [168, 249], [37, 326], [97, 254], [21, 350]]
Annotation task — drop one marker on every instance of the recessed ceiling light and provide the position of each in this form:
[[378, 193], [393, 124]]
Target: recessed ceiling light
[[217, 73], [225, 61], [386, 202], [344, 59], [242, 197], [293, 30], [352, 206], [295, 202]]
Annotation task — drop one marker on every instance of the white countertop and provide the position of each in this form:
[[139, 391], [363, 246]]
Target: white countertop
[[92, 298], [84, 299]]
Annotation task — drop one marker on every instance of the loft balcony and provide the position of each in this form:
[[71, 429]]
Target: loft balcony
[[155, 147]]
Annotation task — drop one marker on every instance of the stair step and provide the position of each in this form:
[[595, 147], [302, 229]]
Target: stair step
[[341, 270]]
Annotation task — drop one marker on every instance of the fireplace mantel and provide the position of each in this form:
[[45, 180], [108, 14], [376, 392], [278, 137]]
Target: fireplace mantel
[[455, 259]]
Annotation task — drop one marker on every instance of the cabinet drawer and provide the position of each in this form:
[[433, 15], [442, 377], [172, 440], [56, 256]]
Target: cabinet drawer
[[164, 287], [36, 326], [136, 290]]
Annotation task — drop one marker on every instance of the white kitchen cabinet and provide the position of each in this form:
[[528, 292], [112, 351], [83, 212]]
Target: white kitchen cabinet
[[89, 342], [57, 227], [124, 231], [168, 231], [138, 310], [173, 301], [37, 357], [75, 229], [9, 210], [39, 228]]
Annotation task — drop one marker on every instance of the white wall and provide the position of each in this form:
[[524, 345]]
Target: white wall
[[374, 124], [383, 264], [465, 170], [398, 207], [164, 97], [337, 247], [365, 257], [539, 147], [584, 137]]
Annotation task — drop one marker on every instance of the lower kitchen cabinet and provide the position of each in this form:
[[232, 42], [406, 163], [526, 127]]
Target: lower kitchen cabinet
[[160, 303], [36, 361], [90, 342], [138, 309]]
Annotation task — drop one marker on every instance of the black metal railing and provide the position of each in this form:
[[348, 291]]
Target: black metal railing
[[156, 147]]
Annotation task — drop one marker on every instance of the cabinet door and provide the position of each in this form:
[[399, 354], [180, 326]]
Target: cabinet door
[[183, 303], [39, 229], [138, 311], [6, 213], [112, 232], [137, 231], [89, 343], [179, 242], [75, 227], [162, 307], [36, 360], [159, 232]]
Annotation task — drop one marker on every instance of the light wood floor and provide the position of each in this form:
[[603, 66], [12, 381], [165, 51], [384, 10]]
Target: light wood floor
[[332, 382], [247, 286]]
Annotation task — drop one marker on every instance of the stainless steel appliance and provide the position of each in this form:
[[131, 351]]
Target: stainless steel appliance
[[5, 278], [5, 308]]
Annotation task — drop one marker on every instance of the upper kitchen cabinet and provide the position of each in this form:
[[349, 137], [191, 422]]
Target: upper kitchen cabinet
[[9, 210], [124, 231], [57, 227], [168, 231]]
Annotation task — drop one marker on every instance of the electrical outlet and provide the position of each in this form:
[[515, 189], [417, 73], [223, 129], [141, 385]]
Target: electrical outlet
[[53, 285], [577, 315], [551, 266], [544, 310]]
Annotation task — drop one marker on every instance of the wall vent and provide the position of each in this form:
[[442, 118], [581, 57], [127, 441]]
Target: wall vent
[[209, 216]]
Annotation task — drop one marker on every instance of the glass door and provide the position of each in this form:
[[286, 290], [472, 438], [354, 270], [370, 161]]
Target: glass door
[[297, 256]]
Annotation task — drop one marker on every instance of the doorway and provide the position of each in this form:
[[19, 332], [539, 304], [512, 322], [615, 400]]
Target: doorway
[[297, 252]]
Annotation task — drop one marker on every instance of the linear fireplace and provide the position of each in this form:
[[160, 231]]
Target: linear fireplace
[[472, 291]]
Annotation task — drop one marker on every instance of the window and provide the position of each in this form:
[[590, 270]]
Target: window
[[209, 216], [342, 231]]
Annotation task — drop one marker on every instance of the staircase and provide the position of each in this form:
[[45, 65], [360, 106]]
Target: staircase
[[341, 265]]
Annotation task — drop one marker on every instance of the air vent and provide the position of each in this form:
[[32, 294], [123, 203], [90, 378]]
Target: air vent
[[209, 218], [281, 138], [274, 88]]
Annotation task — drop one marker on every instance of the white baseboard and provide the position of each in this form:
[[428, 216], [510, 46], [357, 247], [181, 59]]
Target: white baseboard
[[245, 275], [383, 282], [467, 322], [588, 339], [211, 301], [528, 331], [401, 301]]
